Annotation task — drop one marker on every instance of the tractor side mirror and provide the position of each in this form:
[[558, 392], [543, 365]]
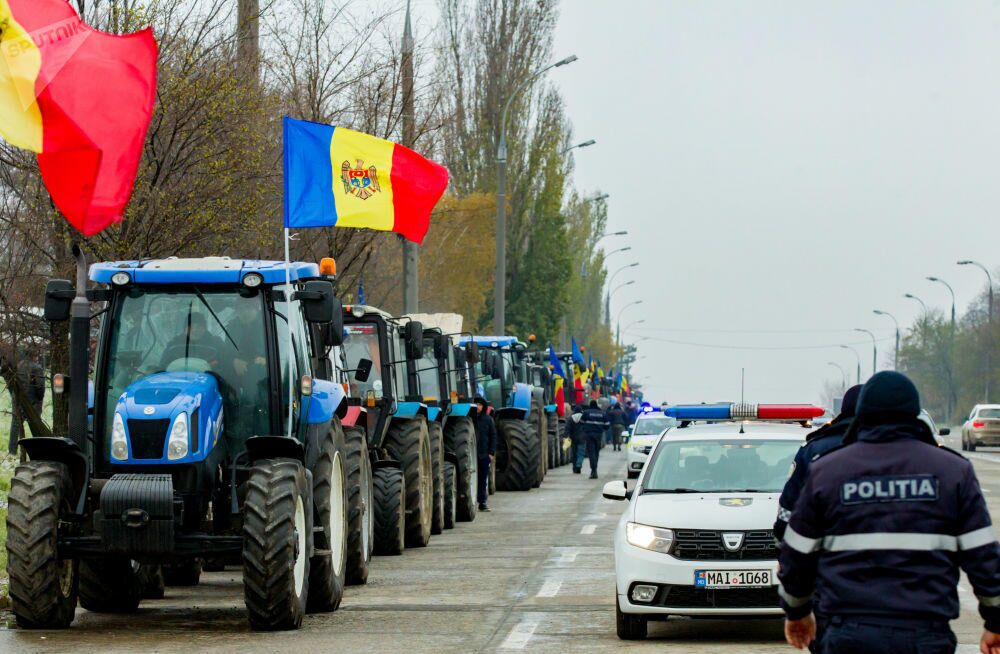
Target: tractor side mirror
[[441, 345], [319, 303], [413, 336], [472, 351], [363, 371], [58, 299]]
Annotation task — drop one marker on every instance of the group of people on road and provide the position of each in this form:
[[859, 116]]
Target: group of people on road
[[874, 524], [588, 427]]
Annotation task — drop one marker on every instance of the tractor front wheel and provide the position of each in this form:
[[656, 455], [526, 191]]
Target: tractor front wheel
[[517, 456], [407, 441], [389, 510], [436, 435], [110, 585], [360, 505], [327, 569], [461, 440]]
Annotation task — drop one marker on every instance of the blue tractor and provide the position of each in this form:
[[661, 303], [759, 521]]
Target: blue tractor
[[214, 434], [518, 411]]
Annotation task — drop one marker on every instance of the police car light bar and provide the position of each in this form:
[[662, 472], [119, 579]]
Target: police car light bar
[[744, 411]]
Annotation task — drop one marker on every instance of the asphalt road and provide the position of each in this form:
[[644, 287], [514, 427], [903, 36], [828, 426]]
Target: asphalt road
[[534, 575]]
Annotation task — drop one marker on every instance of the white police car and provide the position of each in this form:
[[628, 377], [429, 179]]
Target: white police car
[[696, 538], [646, 431]]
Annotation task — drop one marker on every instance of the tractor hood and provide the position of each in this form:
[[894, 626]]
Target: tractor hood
[[150, 408]]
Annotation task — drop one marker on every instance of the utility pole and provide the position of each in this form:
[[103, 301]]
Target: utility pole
[[411, 295], [248, 39]]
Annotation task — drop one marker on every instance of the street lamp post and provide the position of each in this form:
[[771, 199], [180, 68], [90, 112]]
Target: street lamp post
[[611, 279], [874, 348], [923, 305], [633, 324], [618, 321], [858, 356], [500, 284], [585, 144], [952, 395], [895, 358], [843, 373], [989, 324], [607, 297], [952, 292]]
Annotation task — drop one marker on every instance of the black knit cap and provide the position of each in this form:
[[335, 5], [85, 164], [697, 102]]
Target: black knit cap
[[849, 404], [888, 395]]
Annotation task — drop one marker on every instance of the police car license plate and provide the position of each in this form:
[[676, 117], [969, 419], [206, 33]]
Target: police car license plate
[[732, 578]]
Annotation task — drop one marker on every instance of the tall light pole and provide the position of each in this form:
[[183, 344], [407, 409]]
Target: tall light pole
[[858, 356], [950, 290], [585, 144], [411, 280], [874, 348], [611, 279], [952, 395], [923, 305], [843, 373], [633, 324], [895, 358], [500, 284], [989, 323], [607, 297], [618, 322]]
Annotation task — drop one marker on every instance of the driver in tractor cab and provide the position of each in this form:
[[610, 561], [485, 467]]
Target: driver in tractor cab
[[244, 328], [196, 343]]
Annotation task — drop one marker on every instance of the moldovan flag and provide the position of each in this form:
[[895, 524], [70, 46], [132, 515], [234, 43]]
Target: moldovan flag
[[560, 375], [81, 99], [338, 177]]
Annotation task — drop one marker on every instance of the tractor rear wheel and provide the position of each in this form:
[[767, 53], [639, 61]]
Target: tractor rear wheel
[[277, 524], [407, 441], [389, 511], [152, 581], [327, 568], [450, 497], [460, 439], [187, 573], [359, 505], [111, 585], [43, 588], [517, 456], [436, 435]]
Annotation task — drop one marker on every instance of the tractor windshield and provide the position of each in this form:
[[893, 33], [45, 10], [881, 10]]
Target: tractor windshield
[[195, 330], [362, 343], [427, 370]]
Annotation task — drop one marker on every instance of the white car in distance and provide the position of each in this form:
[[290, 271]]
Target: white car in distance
[[643, 437], [696, 539]]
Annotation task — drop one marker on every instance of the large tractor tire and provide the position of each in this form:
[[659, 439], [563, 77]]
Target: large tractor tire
[[555, 439], [360, 506], [328, 566], [407, 441], [436, 435], [460, 439], [187, 573], [43, 588], [152, 581], [517, 456], [450, 497], [277, 523], [110, 585], [539, 427], [389, 511]]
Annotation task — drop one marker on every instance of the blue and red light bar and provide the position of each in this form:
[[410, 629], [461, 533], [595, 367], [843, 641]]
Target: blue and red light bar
[[744, 411]]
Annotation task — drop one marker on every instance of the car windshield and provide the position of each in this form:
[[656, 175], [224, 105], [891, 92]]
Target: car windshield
[[721, 466], [653, 426], [989, 413], [197, 330], [362, 343]]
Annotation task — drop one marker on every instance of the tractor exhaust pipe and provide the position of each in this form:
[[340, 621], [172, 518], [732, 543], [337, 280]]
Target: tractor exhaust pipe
[[79, 354]]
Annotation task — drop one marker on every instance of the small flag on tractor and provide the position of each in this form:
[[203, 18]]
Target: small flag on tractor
[[560, 375], [82, 100], [336, 177]]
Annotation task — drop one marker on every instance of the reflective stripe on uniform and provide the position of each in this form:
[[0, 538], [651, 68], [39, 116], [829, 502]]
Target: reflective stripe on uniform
[[791, 600], [801, 543], [890, 541], [784, 514], [977, 538]]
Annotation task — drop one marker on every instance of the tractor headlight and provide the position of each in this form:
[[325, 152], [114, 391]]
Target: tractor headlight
[[177, 445], [119, 444], [649, 538]]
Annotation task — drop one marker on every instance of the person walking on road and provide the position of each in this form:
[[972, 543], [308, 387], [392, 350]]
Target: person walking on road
[[879, 532], [591, 425], [616, 416], [486, 448]]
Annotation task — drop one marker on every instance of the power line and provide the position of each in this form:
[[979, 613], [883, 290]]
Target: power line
[[722, 346]]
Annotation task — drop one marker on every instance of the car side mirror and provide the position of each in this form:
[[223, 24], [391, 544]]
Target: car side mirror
[[58, 299], [441, 345], [319, 304], [472, 351], [944, 431], [363, 371], [413, 339], [616, 490]]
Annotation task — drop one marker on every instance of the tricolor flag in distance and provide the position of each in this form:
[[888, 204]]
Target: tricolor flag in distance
[[336, 177], [560, 375], [79, 98]]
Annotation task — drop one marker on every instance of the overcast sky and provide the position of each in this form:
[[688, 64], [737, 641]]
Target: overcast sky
[[783, 168]]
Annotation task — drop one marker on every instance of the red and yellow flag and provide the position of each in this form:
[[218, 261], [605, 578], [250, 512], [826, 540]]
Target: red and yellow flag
[[81, 99]]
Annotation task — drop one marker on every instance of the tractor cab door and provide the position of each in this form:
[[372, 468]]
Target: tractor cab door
[[289, 314]]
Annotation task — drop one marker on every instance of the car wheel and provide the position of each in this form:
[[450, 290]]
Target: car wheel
[[972, 446], [629, 626], [964, 446]]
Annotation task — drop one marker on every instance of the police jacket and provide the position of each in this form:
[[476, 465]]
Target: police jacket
[[818, 443], [616, 416], [591, 422], [486, 434], [883, 525]]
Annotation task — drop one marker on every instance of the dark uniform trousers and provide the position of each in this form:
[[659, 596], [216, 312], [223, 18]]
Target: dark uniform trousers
[[861, 636]]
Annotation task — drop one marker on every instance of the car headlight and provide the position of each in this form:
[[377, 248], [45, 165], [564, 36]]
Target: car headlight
[[649, 538], [119, 444], [177, 445]]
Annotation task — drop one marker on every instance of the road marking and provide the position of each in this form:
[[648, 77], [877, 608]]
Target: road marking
[[588, 529], [520, 635], [568, 554], [549, 589]]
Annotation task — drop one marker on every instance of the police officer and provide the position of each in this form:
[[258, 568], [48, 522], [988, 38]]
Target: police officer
[[591, 424], [817, 444], [486, 448], [617, 419], [878, 535]]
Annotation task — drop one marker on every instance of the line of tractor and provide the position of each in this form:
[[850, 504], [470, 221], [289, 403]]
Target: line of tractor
[[234, 412]]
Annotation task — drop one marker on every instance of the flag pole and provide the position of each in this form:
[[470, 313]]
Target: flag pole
[[288, 323]]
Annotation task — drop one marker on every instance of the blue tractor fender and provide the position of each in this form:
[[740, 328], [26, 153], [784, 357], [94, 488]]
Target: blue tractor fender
[[435, 414], [521, 397], [408, 410], [325, 401], [459, 409]]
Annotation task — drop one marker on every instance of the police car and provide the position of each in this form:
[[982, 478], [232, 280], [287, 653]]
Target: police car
[[696, 538], [646, 431]]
